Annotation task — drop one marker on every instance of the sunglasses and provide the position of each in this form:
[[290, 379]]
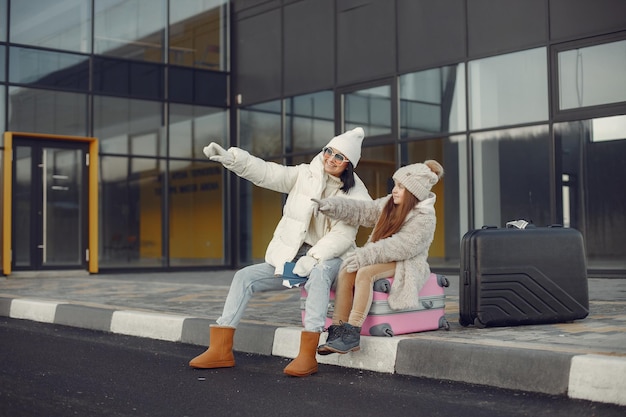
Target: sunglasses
[[339, 158]]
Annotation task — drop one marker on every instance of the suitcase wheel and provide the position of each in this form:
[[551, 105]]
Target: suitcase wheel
[[382, 285], [479, 324], [442, 280], [383, 329], [444, 324]]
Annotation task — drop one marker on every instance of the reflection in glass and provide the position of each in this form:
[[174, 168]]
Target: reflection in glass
[[310, 121], [432, 101], [131, 29], [608, 128], [370, 109], [511, 172], [130, 213], [63, 213], [591, 199], [194, 127], [508, 89], [592, 76], [198, 34], [128, 78], [3, 126], [197, 86], [62, 25], [126, 126], [22, 205], [260, 134], [452, 194], [197, 217], [3, 20], [48, 69], [2, 64], [42, 111]]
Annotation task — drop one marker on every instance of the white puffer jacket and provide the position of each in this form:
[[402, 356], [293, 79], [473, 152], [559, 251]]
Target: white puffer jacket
[[408, 247], [301, 183]]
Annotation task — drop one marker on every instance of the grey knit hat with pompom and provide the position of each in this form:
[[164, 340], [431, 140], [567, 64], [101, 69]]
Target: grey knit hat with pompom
[[419, 178]]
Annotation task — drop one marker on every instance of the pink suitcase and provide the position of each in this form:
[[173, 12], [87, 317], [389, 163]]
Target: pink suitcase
[[383, 321]]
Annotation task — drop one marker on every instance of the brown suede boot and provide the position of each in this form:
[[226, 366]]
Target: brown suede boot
[[220, 351], [305, 363]]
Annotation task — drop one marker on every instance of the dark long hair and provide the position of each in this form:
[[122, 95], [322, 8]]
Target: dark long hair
[[392, 217], [347, 178]]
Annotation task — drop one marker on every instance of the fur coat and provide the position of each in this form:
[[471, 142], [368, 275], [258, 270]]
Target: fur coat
[[408, 247]]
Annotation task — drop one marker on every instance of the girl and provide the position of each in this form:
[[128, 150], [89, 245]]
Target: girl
[[404, 227]]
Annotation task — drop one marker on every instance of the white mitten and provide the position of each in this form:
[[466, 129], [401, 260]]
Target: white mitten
[[351, 263], [304, 266], [218, 154], [321, 206]]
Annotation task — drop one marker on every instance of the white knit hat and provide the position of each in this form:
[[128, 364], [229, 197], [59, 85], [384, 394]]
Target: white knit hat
[[349, 144], [419, 178]]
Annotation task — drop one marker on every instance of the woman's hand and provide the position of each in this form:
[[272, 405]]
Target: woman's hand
[[218, 154]]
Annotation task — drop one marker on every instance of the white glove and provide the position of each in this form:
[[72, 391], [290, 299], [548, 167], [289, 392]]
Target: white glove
[[218, 154], [351, 263], [321, 206], [304, 266]]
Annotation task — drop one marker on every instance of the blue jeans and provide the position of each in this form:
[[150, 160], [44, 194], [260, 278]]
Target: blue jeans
[[260, 277]]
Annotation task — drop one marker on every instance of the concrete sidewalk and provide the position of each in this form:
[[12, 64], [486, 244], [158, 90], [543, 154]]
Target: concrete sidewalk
[[585, 359]]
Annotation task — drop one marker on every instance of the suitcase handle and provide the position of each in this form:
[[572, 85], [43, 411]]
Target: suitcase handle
[[427, 304]]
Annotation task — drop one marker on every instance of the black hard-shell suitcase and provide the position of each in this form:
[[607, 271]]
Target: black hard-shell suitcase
[[514, 276]]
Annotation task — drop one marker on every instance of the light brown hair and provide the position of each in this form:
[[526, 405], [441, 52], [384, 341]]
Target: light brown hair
[[392, 217]]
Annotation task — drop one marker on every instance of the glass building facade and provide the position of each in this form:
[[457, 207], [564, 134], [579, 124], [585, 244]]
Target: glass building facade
[[527, 114], [148, 79], [522, 101]]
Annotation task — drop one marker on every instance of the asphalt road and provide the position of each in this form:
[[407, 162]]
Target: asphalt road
[[50, 370]]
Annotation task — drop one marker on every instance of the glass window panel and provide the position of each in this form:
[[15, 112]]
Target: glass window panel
[[3, 73], [511, 176], [432, 101], [194, 86], [588, 171], [260, 134], [131, 29], [52, 24], [128, 78], [592, 75], [119, 122], [508, 89], [608, 128], [260, 131], [43, 111], [370, 109], [48, 69], [130, 213], [196, 194], [194, 127], [3, 126], [452, 194], [3, 20], [197, 34], [310, 121]]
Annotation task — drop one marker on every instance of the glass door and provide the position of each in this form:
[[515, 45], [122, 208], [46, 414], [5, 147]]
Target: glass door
[[49, 205]]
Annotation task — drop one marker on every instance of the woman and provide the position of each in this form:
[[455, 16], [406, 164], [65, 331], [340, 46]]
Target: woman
[[404, 227], [316, 243]]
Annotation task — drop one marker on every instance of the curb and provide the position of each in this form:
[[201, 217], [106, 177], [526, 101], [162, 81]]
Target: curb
[[589, 377]]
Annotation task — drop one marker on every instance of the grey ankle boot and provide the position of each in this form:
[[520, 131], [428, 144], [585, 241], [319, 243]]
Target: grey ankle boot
[[334, 332], [348, 341]]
